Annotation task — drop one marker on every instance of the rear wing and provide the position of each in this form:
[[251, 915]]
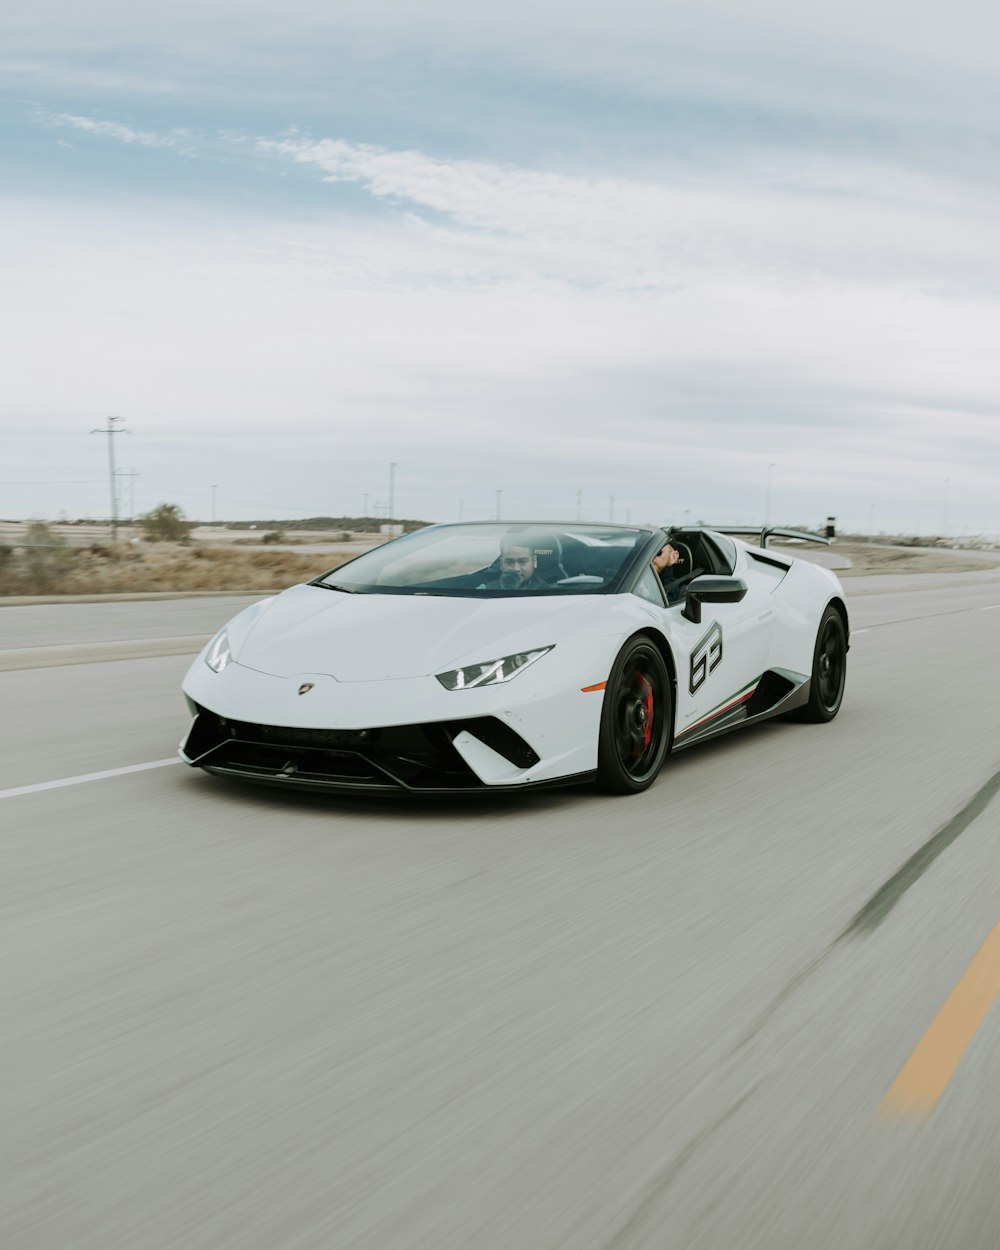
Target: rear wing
[[763, 533]]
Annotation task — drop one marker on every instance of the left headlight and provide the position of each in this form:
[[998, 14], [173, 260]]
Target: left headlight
[[218, 654], [490, 672]]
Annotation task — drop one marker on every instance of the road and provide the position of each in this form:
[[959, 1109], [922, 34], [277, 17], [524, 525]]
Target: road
[[240, 1018]]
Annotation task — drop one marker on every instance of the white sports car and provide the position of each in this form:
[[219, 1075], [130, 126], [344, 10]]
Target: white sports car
[[499, 656]]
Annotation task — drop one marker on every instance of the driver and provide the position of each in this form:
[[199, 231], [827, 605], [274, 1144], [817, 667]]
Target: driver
[[667, 565], [518, 566]]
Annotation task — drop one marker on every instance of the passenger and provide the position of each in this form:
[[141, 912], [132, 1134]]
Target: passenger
[[518, 567], [666, 564]]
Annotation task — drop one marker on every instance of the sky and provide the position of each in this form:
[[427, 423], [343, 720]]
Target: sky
[[730, 261]]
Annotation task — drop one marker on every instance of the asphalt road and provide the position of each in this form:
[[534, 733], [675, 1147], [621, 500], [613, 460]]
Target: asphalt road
[[236, 1018]]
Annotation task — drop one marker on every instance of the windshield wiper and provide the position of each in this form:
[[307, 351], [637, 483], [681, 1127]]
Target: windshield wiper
[[333, 586]]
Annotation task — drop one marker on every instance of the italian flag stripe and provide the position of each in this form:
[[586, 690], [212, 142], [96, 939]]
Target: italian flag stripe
[[734, 701]]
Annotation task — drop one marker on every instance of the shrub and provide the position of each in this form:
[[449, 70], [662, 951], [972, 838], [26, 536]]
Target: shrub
[[273, 536], [165, 524], [47, 557]]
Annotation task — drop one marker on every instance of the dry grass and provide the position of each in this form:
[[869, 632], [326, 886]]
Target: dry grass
[[867, 558], [161, 566]]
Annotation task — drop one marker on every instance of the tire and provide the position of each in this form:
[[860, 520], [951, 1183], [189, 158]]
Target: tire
[[829, 671], [636, 720]]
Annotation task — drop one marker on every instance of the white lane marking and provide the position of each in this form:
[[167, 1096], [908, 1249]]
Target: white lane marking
[[992, 608], [77, 781]]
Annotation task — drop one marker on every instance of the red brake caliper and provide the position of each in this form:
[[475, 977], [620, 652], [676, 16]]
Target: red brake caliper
[[647, 703]]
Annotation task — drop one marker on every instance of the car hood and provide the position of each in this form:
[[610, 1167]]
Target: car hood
[[372, 637]]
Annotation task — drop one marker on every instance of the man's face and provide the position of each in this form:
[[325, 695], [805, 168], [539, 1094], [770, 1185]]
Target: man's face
[[519, 560], [667, 557]]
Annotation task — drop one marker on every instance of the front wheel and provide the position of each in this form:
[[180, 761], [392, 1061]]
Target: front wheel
[[635, 721], [829, 670]]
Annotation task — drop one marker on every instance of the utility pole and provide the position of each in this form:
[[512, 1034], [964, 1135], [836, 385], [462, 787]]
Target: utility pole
[[111, 429], [393, 466]]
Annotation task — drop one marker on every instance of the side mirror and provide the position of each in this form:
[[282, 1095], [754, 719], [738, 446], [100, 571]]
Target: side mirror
[[711, 589]]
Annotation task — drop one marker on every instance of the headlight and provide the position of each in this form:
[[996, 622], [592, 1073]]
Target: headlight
[[491, 672], [219, 654]]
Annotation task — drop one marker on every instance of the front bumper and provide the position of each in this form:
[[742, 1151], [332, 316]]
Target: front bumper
[[399, 734], [428, 758]]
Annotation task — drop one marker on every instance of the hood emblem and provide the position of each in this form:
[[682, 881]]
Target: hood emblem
[[306, 687]]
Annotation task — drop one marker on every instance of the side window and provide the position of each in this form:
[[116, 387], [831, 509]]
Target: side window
[[648, 586]]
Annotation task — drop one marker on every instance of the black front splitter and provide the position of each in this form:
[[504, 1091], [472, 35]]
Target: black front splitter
[[314, 785]]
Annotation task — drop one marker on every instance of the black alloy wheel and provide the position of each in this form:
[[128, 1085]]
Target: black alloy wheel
[[829, 670], [636, 720]]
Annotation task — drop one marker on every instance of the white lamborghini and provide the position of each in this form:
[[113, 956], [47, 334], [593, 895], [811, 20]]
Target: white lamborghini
[[495, 656]]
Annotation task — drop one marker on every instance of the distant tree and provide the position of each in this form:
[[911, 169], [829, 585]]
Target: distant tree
[[165, 524]]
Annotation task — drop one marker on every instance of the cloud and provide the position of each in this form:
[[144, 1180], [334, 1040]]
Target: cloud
[[503, 332], [755, 232], [824, 227], [840, 64], [116, 131]]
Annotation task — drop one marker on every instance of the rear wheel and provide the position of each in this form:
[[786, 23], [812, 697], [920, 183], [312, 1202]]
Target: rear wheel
[[635, 721], [829, 670]]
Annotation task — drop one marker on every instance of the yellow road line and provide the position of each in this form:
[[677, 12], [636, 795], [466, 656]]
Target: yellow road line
[[928, 1070]]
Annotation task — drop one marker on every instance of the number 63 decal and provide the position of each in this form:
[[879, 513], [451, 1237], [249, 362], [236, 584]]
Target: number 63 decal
[[706, 657]]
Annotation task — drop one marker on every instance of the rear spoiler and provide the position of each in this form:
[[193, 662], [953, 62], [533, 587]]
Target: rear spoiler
[[763, 533]]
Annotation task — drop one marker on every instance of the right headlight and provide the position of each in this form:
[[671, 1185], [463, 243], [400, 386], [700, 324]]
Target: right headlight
[[490, 672], [218, 654]]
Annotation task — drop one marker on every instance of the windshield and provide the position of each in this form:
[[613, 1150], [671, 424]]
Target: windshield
[[486, 560]]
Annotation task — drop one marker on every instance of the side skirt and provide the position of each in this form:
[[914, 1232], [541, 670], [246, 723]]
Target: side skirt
[[774, 693]]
